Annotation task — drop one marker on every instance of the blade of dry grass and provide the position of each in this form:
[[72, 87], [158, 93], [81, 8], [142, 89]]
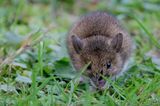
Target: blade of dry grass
[[26, 44]]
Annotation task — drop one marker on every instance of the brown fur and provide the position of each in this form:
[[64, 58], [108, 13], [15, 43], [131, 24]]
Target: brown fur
[[98, 38]]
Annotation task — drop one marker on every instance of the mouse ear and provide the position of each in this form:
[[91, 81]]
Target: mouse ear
[[116, 43], [77, 43]]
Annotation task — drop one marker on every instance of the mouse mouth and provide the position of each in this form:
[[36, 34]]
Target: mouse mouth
[[99, 84]]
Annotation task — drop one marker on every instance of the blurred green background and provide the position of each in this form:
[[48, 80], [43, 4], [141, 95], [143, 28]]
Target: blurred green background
[[34, 65]]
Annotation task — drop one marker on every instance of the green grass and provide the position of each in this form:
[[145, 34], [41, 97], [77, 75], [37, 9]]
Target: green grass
[[34, 64]]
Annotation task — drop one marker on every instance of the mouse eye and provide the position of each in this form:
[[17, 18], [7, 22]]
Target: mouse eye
[[108, 65]]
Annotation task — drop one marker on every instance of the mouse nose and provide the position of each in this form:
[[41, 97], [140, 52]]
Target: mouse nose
[[100, 75], [99, 78]]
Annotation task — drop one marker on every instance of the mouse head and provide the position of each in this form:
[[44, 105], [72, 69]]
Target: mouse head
[[104, 55]]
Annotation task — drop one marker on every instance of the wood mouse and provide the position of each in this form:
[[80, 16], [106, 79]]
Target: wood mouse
[[99, 38]]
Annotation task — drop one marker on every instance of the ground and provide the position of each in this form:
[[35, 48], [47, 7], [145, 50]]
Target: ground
[[35, 68]]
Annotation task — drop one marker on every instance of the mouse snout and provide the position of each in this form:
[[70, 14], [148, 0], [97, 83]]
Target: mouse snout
[[98, 80]]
